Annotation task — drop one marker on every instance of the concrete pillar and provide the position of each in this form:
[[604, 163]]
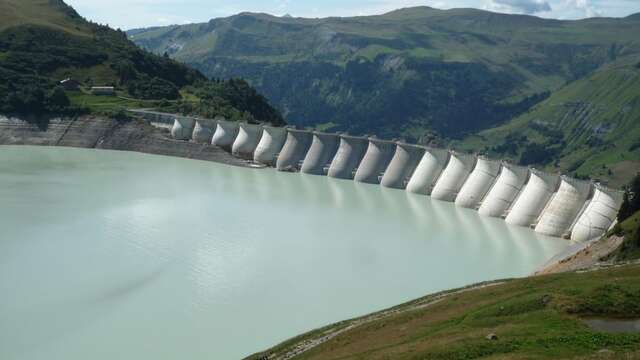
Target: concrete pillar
[[323, 149], [294, 149], [182, 128], [599, 215], [565, 206], [349, 154], [375, 161], [270, 144], [509, 184], [225, 134], [532, 200], [402, 165], [428, 170], [453, 176], [478, 183], [203, 131], [247, 140]]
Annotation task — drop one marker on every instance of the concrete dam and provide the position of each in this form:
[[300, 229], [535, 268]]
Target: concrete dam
[[550, 204]]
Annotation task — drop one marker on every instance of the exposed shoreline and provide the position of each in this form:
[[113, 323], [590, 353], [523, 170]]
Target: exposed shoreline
[[102, 133]]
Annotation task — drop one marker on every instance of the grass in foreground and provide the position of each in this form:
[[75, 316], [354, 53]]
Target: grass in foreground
[[533, 318]]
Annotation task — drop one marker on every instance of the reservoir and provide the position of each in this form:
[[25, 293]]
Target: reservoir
[[108, 255]]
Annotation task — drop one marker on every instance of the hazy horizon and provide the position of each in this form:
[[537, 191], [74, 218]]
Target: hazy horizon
[[130, 14]]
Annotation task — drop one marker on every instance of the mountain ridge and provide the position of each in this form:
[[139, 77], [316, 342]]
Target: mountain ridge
[[45, 41], [340, 63], [427, 75], [400, 11]]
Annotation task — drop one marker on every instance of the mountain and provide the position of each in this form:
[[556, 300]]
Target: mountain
[[411, 72], [45, 41], [589, 128]]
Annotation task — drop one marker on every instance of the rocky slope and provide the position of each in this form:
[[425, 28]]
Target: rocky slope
[[104, 133]]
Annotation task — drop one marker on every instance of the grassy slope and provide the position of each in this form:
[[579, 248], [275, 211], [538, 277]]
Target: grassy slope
[[45, 41], [534, 318], [598, 118], [49, 13], [546, 53], [334, 74]]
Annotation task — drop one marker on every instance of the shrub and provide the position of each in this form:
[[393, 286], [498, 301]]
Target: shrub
[[536, 153], [631, 200]]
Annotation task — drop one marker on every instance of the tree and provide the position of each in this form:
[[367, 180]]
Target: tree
[[58, 100]]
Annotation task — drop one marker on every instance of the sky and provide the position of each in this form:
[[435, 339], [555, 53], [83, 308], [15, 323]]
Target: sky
[[128, 14]]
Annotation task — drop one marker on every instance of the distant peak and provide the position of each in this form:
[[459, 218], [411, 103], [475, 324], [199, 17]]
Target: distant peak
[[254, 14], [287, 16], [413, 8]]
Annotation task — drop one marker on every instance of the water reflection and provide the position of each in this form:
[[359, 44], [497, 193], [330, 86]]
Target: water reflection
[[209, 255]]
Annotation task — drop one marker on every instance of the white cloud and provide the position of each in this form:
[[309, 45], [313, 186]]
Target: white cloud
[[586, 6], [519, 6]]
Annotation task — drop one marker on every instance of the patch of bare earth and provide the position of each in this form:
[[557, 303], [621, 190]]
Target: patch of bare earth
[[585, 258]]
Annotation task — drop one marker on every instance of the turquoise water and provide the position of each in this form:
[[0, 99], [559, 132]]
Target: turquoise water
[[112, 255]]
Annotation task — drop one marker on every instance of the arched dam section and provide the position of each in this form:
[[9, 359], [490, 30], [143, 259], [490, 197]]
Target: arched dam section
[[453, 176], [349, 154], [322, 151], [565, 206], [552, 205], [247, 140], [225, 134], [182, 128], [294, 149], [428, 170], [505, 190], [402, 165], [478, 183], [375, 161], [534, 197], [599, 215], [270, 144], [203, 131]]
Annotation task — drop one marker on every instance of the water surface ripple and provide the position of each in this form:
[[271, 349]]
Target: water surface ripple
[[108, 255]]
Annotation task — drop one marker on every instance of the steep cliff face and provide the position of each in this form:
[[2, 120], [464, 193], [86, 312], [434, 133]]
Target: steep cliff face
[[104, 133]]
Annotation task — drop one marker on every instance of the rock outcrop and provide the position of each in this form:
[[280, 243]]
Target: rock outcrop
[[104, 133]]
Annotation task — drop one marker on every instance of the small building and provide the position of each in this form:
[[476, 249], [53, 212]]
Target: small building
[[103, 90], [70, 84]]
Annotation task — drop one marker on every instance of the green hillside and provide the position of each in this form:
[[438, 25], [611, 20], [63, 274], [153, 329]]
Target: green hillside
[[589, 128], [562, 95], [533, 318], [53, 14], [45, 41], [407, 73]]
